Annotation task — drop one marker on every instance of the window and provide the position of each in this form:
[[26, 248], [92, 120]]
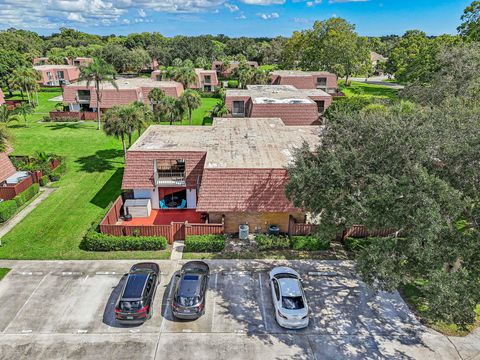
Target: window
[[60, 75], [276, 288], [238, 108], [208, 79], [321, 82], [49, 75], [320, 106], [83, 95]]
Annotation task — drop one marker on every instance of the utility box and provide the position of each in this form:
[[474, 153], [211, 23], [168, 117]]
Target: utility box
[[243, 231], [138, 208]]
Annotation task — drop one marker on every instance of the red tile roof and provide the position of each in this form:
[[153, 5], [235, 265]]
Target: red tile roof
[[257, 190], [2, 98], [139, 167], [6, 167]]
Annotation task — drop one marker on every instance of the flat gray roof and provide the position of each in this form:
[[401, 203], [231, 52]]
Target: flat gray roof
[[232, 142], [54, 67], [299, 73], [277, 94], [131, 83]]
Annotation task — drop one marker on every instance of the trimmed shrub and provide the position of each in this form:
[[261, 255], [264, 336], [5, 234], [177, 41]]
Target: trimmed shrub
[[204, 243], [272, 242], [7, 209], [58, 172], [26, 195], [233, 84], [309, 243], [44, 180], [95, 241]]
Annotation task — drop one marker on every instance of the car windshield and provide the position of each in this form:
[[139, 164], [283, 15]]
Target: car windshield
[[130, 305], [292, 302]]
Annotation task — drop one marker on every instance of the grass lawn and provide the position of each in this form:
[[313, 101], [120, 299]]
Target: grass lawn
[[3, 272], [44, 106], [201, 115], [412, 293], [93, 179], [368, 90]]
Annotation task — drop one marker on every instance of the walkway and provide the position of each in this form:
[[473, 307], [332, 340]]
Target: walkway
[[10, 224], [177, 250]]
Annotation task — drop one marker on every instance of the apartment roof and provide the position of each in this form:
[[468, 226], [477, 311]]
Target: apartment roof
[[265, 94], [131, 83], [6, 167], [232, 142], [299, 73], [203, 71], [54, 67]]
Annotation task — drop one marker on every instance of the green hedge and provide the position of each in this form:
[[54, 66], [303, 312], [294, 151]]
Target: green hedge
[[44, 180], [233, 84], [58, 172], [95, 241], [272, 242], [26, 195], [204, 243], [7, 209], [309, 243]]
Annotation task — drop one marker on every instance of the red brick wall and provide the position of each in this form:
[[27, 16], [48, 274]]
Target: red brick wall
[[305, 82], [291, 114]]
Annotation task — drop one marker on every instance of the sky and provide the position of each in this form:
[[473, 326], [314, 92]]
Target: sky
[[234, 18]]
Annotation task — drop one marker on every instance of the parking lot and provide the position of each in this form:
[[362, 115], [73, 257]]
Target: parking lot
[[65, 310]]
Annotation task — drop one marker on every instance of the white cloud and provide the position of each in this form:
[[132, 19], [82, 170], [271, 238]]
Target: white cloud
[[263, 2], [313, 3], [273, 15], [142, 13], [231, 7], [241, 17], [76, 17]]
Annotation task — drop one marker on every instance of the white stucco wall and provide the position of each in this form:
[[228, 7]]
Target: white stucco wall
[[148, 194]]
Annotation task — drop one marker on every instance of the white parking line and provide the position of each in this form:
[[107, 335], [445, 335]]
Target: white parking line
[[264, 316], [214, 302], [105, 273], [25, 303]]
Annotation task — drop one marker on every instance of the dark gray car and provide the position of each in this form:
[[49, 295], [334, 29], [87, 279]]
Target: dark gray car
[[191, 291]]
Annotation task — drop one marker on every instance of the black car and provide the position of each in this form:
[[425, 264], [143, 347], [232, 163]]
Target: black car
[[134, 305], [191, 291]]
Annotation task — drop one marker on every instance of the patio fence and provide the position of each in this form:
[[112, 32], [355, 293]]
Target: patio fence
[[173, 231], [356, 231], [10, 191], [79, 115]]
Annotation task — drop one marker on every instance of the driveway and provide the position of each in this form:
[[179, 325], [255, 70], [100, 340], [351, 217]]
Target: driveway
[[64, 310]]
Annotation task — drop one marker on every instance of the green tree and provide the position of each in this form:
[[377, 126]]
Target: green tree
[[7, 116], [24, 110], [470, 27], [97, 73], [413, 171], [25, 79], [9, 61], [5, 137], [114, 124], [192, 101], [185, 75]]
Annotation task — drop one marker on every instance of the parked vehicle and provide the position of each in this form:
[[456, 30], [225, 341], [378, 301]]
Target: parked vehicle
[[191, 290], [289, 301], [134, 305]]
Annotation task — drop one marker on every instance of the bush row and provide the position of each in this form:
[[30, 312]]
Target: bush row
[[47, 118], [204, 243], [58, 172], [305, 243], [356, 244], [95, 241], [26, 195], [7, 209], [44, 180]]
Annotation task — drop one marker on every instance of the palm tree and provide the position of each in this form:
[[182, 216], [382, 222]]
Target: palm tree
[[24, 110], [219, 110], [5, 137], [25, 80], [185, 75], [156, 96], [192, 101], [6, 115], [113, 125], [146, 116], [98, 72]]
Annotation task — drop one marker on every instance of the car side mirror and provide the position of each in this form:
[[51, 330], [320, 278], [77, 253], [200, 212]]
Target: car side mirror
[[126, 274], [177, 275]]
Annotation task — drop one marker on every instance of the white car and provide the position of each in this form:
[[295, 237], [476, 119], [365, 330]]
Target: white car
[[289, 301]]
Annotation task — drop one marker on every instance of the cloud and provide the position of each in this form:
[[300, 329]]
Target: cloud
[[263, 2], [231, 7], [142, 13], [76, 17], [345, 1], [300, 20], [273, 15], [313, 3]]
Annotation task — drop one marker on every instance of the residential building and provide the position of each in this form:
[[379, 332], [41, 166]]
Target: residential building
[[56, 75], [225, 72], [12, 182], [232, 172], [292, 105], [81, 97], [78, 61], [206, 79], [376, 60], [2, 97], [322, 80]]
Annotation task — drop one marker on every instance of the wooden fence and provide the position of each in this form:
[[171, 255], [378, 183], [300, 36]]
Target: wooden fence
[[79, 115], [174, 231], [10, 191]]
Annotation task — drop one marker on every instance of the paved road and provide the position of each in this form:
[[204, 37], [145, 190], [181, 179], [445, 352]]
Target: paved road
[[64, 310]]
